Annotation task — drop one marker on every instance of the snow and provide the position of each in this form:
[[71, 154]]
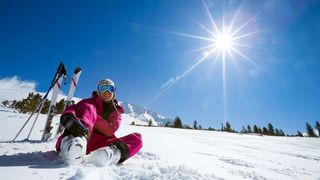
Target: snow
[[144, 114], [167, 153]]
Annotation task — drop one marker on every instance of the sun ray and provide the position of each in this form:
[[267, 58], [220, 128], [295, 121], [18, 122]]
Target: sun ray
[[245, 35], [245, 45], [245, 24], [246, 58], [224, 84], [237, 66], [178, 78], [202, 48], [211, 18], [191, 36], [203, 27], [233, 20]]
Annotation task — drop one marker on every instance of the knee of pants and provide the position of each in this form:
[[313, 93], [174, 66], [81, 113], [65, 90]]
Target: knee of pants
[[138, 139]]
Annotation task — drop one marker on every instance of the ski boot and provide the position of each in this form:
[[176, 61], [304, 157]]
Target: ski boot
[[104, 156], [73, 149]]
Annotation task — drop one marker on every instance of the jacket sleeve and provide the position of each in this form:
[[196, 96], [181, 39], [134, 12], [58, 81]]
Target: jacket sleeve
[[70, 110], [110, 126], [83, 111]]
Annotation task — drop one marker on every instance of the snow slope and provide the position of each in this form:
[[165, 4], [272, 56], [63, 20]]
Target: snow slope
[[167, 154]]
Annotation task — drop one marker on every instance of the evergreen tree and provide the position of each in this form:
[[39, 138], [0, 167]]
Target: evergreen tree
[[60, 106], [28, 104], [281, 133], [177, 122], [255, 129], [210, 128], [310, 130], [167, 124], [5, 103], [45, 107], [195, 125], [13, 104], [150, 123], [200, 127], [260, 131], [243, 130], [276, 132], [264, 131], [228, 127], [270, 129], [299, 134], [249, 129], [318, 127]]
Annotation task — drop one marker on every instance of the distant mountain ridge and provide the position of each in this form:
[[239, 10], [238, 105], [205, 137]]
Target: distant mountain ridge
[[145, 114]]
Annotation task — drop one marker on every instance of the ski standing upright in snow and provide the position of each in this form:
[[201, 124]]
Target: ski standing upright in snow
[[61, 71], [53, 108], [73, 86]]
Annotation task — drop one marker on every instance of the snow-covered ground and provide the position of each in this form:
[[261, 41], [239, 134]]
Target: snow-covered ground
[[167, 153]]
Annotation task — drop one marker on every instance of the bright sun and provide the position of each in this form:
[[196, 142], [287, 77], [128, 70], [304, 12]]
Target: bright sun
[[224, 41]]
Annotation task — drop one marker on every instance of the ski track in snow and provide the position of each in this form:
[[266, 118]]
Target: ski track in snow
[[167, 154]]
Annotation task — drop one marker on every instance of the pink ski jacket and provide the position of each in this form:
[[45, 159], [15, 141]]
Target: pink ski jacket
[[90, 111]]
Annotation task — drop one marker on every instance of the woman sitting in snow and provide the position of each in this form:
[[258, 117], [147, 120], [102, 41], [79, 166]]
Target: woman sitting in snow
[[90, 126]]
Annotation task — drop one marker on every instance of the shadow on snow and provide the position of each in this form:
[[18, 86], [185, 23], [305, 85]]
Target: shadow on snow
[[48, 159]]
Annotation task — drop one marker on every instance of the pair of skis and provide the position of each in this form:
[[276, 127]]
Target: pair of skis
[[52, 109], [73, 86], [55, 85]]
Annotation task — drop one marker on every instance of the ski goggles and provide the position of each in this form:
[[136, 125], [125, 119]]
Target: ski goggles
[[106, 87]]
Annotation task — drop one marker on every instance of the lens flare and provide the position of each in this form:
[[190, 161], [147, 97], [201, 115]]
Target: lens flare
[[223, 41]]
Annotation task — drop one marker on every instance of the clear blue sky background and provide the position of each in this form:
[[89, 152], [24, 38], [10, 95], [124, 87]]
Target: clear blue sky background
[[130, 42]]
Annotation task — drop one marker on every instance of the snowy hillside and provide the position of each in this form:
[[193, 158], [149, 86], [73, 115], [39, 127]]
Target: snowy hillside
[[167, 153], [144, 114]]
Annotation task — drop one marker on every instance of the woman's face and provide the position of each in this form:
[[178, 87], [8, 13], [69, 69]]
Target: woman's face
[[106, 96]]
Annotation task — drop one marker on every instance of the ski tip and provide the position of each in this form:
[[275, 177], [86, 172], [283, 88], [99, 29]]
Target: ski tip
[[78, 69]]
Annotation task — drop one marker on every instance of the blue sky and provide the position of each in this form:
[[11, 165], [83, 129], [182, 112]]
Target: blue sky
[[133, 43]]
